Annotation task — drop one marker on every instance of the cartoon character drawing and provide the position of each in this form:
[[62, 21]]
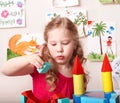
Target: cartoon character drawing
[[109, 44]]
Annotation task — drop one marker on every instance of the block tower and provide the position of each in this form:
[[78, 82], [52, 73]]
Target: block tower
[[105, 96], [78, 81]]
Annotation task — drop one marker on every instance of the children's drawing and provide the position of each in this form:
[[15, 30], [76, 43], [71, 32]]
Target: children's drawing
[[109, 45], [12, 13], [23, 44], [110, 1], [79, 17], [65, 3], [101, 40]]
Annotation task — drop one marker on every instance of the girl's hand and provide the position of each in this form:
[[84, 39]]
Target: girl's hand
[[36, 59]]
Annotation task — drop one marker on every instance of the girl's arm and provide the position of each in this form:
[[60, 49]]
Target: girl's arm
[[22, 65]]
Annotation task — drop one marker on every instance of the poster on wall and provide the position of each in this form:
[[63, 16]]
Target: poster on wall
[[65, 3], [101, 40], [24, 44], [110, 1], [79, 18], [12, 13]]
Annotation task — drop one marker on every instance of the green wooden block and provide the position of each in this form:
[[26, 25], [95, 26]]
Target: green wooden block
[[45, 67], [64, 100], [23, 99]]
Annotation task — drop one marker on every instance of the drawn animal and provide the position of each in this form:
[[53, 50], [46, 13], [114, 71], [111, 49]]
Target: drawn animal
[[19, 47]]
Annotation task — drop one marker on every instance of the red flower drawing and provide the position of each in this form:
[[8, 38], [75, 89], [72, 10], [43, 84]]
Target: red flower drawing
[[4, 14]]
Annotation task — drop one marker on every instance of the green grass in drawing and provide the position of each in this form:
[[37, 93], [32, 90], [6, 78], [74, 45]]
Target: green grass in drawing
[[98, 57], [11, 54]]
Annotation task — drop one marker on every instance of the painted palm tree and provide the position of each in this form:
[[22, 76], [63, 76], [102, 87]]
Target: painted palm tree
[[99, 30], [81, 19]]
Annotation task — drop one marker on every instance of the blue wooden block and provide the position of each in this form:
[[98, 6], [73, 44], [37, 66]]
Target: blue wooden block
[[107, 96], [114, 99], [64, 100], [85, 99], [45, 67], [77, 98], [23, 99], [97, 97]]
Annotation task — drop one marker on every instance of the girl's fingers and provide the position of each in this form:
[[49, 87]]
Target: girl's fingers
[[36, 60], [41, 50], [38, 65], [39, 62]]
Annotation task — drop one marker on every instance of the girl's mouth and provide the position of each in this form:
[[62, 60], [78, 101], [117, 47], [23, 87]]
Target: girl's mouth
[[60, 57]]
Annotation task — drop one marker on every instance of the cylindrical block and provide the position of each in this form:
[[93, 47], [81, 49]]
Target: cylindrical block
[[79, 87], [107, 82]]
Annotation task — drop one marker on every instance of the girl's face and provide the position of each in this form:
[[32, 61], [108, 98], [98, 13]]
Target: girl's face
[[61, 45]]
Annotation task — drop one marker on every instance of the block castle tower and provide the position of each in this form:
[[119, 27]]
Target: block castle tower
[[105, 96], [80, 96]]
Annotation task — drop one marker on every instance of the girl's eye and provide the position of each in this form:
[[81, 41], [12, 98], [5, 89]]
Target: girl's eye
[[53, 44], [65, 43]]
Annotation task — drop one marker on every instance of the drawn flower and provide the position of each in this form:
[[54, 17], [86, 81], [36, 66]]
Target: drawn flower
[[19, 4], [4, 14], [19, 21]]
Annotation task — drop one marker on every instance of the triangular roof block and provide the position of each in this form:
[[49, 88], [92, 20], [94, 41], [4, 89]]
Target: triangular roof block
[[106, 67], [77, 67]]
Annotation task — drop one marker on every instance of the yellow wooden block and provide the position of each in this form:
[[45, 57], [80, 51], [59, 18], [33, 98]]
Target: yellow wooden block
[[79, 87]]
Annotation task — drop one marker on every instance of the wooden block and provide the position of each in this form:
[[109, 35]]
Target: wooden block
[[77, 98], [45, 67], [114, 99], [85, 99], [23, 99], [64, 100]]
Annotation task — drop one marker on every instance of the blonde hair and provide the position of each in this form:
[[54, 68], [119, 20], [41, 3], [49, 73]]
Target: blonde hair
[[67, 24]]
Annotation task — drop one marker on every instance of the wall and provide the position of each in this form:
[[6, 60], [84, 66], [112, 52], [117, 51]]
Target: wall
[[11, 87]]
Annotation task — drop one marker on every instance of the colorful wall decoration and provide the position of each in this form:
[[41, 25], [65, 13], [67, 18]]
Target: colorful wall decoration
[[110, 1], [65, 3], [12, 13], [24, 44], [79, 17], [101, 40]]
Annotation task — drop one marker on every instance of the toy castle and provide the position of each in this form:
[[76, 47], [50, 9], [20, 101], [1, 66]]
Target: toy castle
[[105, 96], [80, 96]]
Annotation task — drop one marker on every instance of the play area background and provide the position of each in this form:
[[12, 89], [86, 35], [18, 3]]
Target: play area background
[[35, 21]]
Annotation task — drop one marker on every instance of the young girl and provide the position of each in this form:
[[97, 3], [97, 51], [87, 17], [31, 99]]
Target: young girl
[[61, 47]]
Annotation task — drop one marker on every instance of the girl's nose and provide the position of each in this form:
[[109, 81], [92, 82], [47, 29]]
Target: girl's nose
[[59, 48]]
